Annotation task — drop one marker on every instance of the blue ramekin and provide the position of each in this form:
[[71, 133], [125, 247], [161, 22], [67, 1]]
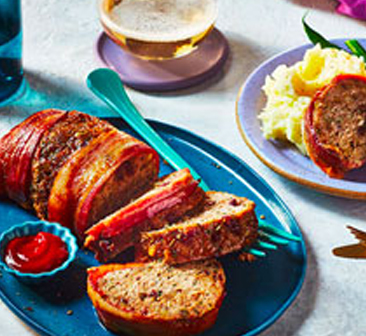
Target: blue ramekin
[[32, 228]]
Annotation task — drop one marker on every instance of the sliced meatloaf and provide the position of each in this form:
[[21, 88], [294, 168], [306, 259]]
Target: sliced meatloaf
[[70, 133], [73, 168], [18, 152], [100, 178], [172, 197], [156, 299], [335, 126], [226, 224]]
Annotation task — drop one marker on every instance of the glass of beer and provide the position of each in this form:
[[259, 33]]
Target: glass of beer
[[158, 29]]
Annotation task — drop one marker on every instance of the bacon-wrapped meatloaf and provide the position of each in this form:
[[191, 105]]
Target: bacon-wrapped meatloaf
[[335, 126], [156, 299], [72, 168], [225, 224]]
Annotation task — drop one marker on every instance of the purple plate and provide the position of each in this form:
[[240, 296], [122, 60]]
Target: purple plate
[[179, 73], [279, 156]]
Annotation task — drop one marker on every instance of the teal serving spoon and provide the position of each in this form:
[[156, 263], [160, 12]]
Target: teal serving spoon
[[107, 85]]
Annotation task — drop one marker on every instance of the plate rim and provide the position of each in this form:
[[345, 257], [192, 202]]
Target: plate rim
[[334, 191], [291, 218]]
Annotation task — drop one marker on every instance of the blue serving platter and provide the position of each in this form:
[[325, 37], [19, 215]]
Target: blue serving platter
[[257, 293]]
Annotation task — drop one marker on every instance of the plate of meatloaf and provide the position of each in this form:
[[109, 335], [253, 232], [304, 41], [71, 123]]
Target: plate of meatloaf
[[331, 156], [158, 255]]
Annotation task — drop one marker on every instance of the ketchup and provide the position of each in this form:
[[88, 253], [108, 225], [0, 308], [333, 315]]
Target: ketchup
[[36, 254]]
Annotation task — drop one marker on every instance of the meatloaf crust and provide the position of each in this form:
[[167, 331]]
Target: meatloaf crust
[[72, 132], [7, 145], [172, 197], [20, 147], [156, 299], [335, 126], [226, 224]]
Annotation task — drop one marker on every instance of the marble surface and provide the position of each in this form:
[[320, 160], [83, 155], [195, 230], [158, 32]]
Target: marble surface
[[58, 54]]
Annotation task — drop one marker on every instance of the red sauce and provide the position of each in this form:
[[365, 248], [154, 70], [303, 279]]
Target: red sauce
[[36, 254]]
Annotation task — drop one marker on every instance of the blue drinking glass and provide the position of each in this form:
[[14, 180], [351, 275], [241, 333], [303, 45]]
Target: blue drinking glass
[[11, 70]]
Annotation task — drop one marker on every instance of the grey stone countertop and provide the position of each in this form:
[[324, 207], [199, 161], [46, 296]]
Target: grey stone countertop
[[59, 37]]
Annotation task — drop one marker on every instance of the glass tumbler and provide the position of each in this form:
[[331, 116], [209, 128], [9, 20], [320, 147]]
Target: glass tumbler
[[11, 71], [158, 29]]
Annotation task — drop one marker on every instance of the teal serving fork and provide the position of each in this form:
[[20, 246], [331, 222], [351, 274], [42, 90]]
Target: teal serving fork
[[106, 84]]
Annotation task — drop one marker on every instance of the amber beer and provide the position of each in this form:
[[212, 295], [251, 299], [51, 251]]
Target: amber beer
[[158, 29]]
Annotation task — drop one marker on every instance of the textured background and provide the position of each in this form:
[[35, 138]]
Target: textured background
[[58, 54]]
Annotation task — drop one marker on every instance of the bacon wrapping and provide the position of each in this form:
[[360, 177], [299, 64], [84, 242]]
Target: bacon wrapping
[[171, 198]]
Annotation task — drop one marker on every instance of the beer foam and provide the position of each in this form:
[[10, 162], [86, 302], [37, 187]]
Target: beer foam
[[162, 20]]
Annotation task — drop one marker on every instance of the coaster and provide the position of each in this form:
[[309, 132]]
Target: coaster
[[167, 75]]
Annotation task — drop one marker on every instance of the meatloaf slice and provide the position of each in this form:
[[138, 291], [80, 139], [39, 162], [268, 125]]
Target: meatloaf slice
[[335, 126], [156, 299], [171, 197], [100, 178], [20, 149], [226, 224], [7, 145], [70, 133]]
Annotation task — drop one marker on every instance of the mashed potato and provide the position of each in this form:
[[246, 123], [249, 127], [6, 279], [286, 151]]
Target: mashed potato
[[289, 91]]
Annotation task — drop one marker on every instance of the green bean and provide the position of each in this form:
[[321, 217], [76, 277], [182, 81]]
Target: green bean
[[356, 48]]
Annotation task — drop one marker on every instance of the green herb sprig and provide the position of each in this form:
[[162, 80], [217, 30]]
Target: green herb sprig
[[354, 46], [315, 37]]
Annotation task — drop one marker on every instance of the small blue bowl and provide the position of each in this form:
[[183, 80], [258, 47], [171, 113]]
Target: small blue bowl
[[32, 228]]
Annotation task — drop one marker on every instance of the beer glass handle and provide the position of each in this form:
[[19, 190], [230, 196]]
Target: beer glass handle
[[107, 85]]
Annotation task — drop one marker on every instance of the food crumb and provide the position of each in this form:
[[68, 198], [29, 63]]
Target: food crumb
[[69, 312], [30, 309], [244, 256], [230, 182], [262, 217]]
